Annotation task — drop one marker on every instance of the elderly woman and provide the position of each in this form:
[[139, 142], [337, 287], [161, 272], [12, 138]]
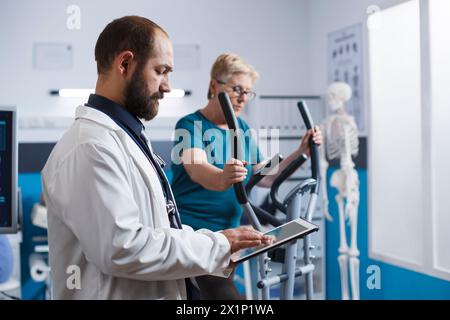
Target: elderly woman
[[203, 171]]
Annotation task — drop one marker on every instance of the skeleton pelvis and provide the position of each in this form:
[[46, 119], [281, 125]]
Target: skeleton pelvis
[[344, 180]]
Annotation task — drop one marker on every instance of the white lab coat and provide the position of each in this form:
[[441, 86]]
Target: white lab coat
[[107, 219]]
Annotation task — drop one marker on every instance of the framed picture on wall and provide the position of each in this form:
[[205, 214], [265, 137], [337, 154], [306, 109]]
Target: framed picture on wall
[[345, 64]]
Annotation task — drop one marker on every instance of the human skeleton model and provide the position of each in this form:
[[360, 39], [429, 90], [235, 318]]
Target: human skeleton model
[[341, 142]]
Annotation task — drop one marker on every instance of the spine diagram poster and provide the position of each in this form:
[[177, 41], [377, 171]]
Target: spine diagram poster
[[345, 63]]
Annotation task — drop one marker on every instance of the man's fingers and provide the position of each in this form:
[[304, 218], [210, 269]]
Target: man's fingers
[[245, 237], [247, 233], [268, 239], [250, 234], [246, 244]]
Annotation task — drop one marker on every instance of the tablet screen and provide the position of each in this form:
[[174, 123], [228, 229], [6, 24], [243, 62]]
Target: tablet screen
[[289, 231]]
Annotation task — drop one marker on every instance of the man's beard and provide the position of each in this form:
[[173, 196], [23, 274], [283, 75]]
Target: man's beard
[[139, 101]]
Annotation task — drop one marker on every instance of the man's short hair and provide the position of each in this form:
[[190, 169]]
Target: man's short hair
[[229, 64], [133, 33]]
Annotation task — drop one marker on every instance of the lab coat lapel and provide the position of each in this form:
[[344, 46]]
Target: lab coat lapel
[[140, 159], [149, 175]]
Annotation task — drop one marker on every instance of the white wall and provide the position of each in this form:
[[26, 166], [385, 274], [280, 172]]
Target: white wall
[[269, 34], [440, 131]]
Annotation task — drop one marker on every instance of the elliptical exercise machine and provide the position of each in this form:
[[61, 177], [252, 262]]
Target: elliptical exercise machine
[[291, 206]]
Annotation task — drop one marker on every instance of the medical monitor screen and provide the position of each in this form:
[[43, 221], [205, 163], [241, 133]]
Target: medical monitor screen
[[8, 172]]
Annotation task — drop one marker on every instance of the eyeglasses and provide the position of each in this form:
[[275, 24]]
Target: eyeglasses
[[238, 91]]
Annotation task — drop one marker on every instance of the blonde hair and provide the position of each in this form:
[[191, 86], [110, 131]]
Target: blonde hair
[[229, 64]]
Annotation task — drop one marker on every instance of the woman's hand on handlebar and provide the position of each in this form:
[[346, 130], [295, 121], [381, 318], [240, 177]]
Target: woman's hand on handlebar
[[233, 172], [314, 134]]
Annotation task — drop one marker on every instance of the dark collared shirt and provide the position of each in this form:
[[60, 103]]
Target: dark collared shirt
[[131, 124]]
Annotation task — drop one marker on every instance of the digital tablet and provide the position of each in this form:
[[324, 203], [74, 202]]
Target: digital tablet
[[287, 232]]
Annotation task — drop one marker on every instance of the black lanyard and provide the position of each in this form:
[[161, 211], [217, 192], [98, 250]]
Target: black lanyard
[[171, 206]]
